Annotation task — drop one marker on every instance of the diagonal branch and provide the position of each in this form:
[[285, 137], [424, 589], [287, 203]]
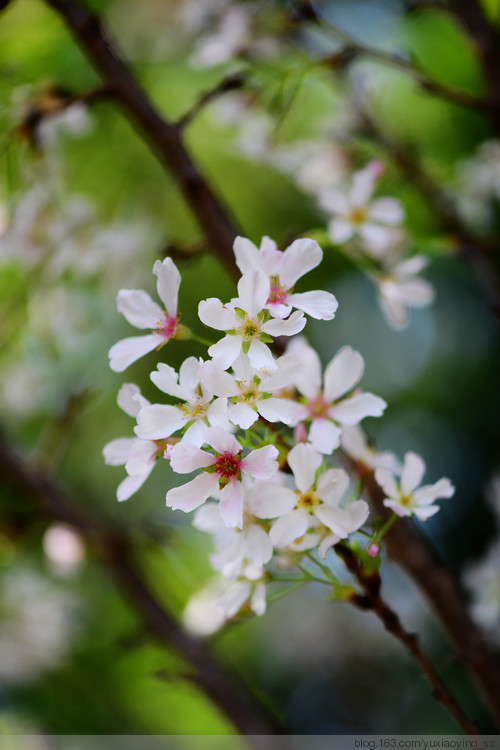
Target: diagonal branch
[[116, 553]]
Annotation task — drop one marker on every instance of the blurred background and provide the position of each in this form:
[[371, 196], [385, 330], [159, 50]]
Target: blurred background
[[85, 209]]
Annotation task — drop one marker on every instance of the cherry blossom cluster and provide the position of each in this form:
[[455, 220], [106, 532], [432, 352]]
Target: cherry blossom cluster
[[263, 430]]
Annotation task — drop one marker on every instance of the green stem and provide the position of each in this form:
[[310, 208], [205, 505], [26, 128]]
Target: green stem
[[386, 527], [201, 340]]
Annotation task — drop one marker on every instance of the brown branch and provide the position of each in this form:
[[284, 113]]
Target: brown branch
[[116, 553], [232, 82], [163, 136], [372, 600], [409, 549]]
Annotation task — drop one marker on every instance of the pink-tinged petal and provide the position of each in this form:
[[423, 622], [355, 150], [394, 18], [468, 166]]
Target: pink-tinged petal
[[327, 543], [258, 601], [359, 512], [279, 410], [138, 308], [279, 309], [386, 211], [253, 292], [307, 377], [222, 441], [334, 202], [159, 421], [166, 379], [242, 415], [231, 504], [168, 283], [214, 314], [332, 486], [385, 479], [141, 458], [246, 254], [260, 549], [190, 496], [261, 463], [413, 471], [195, 434], [225, 351], [319, 305], [343, 373], [324, 436], [352, 410], [186, 458], [298, 259], [397, 508], [261, 358], [337, 520], [272, 501], [424, 513], [217, 381], [289, 527], [340, 230], [289, 327], [117, 451], [426, 495], [304, 461], [127, 351], [130, 399], [130, 485]]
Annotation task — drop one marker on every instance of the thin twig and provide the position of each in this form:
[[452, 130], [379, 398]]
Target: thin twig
[[117, 554], [372, 600], [232, 82]]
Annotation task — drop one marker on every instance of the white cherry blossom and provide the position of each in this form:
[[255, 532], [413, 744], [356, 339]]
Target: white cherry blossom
[[404, 498], [284, 269], [400, 288], [356, 214], [142, 312], [328, 406], [195, 414], [223, 478], [244, 321]]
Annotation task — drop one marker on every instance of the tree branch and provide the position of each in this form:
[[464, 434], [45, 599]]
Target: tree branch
[[116, 553], [164, 137], [372, 600]]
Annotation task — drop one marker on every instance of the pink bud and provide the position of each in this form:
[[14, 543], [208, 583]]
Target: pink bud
[[373, 550], [377, 168]]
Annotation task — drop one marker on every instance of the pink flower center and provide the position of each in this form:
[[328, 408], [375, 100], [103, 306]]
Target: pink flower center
[[318, 407], [278, 294], [228, 465], [168, 327]]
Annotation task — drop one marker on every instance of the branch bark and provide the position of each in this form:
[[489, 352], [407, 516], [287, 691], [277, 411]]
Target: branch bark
[[116, 553]]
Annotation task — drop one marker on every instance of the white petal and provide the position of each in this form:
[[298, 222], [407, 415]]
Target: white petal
[[127, 351], [259, 547], [332, 486], [242, 415], [168, 283], [424, 513], [117, 451], [289, 527], [159, 421], [395, 505], [304, 461], [214, 314], [307, 377], [327, 543], [352, 410], [253, 292], [319, 305], [207, 519], [324, 435], [334, 202], [426, 495], [386, 211], [343, 373], [279, 410], [271, 501], [261, 358], [418, 292], [359, 512], [217, 414], [222, 441], [193, 494], [138, 308], [217, 381], [261, 463], [130, 400], [300, 257], [340, 230], [195, 434], [363, 184], [130, 485], [394, 306], [246, 254], [411, 267], [141, 458], [166, 379], [231, 504], [376, 237], [386, 480], [413, 471], [186, 458], [284, 376], [189, 376], [225, 351], [258, 600], [289, 327], [337, 519]]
